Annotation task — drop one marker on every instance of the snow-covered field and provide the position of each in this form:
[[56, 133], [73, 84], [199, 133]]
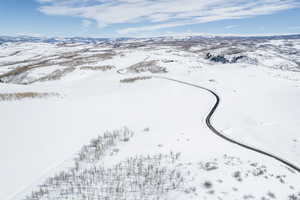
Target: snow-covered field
[[105, 86]]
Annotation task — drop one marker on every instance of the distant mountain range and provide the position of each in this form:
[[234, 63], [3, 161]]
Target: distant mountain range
[[4, 39]]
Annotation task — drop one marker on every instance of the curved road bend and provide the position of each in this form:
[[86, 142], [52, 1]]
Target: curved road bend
[[215, 131]]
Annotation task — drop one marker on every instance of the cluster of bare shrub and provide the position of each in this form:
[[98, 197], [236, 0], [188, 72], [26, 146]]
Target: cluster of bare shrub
[[133, 79], [69, 61], [25, 95], [56, 75], [147, 66], [99, 146], [137, 177], [98, 68]]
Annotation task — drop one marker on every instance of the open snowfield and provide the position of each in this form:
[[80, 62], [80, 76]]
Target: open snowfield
[[94, 92]]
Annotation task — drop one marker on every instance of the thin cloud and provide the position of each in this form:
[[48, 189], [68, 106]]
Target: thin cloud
[[86, 23], [161, 14], [231, 26]]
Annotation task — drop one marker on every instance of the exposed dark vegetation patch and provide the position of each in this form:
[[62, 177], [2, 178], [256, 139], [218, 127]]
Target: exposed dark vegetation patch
[[18, 71], [207, 185], [98, 68], [249, 196], [223, 59], [271, 195], [294, 196], [56, 75], [168, 61], [237, 175], [209, 166], [147, 66], [68, 61], [25, 95], [138, 78]]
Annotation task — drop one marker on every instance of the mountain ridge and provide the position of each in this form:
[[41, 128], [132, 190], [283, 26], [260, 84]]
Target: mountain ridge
[[24, 38]]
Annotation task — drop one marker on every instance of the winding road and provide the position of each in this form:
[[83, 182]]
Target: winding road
[[215, 131]]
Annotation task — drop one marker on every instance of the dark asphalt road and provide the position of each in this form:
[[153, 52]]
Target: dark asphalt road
[[215, 131]]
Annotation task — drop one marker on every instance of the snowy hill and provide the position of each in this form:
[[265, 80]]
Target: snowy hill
[[5, 39], [85, 118]]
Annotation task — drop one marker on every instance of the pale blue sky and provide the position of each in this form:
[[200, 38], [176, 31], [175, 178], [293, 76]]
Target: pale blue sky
[[123, 18]]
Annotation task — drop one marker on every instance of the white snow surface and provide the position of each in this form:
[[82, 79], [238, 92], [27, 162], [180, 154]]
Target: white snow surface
[[259, 106]]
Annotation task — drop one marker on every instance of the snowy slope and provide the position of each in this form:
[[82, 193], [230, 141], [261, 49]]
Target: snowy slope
[[258, 106]]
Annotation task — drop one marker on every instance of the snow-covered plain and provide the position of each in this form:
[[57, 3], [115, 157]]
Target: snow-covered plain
[[259, 106]]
